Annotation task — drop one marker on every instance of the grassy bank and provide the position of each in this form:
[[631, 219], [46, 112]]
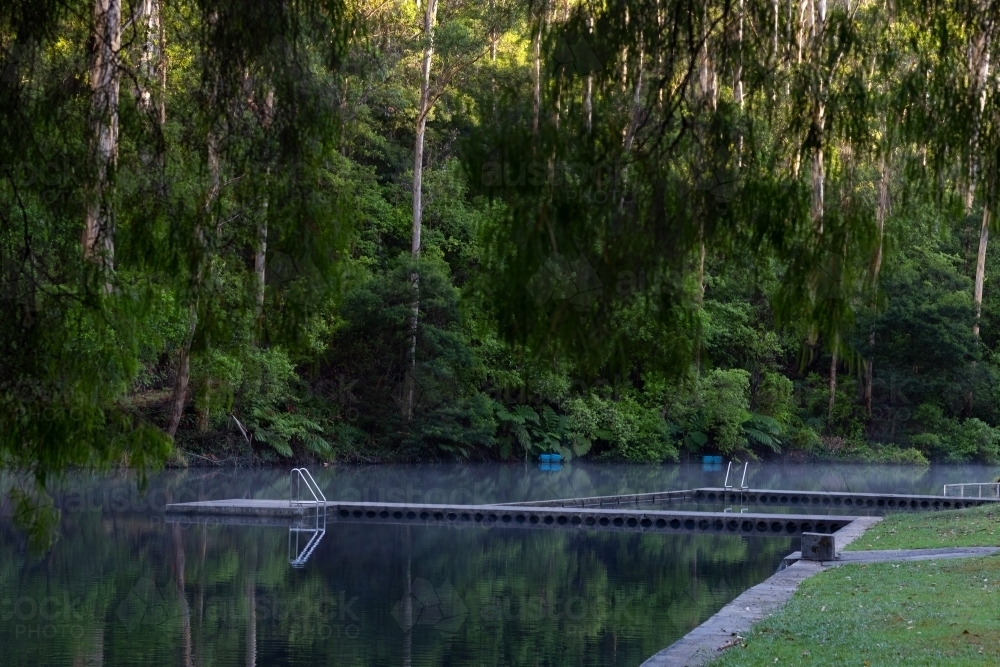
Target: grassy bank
[[974, 527], [919, 613], [922, 613]]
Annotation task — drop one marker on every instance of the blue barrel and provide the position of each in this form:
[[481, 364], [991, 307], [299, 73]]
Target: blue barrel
[[711, 463], [545, 458]]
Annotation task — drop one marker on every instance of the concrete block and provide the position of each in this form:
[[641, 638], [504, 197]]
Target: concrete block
[[818, 546]]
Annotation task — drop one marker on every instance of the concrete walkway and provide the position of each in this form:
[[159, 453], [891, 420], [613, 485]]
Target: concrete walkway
[[895, 555]]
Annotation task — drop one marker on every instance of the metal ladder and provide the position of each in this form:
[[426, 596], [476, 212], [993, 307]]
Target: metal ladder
[[741, 488], [297, 478]]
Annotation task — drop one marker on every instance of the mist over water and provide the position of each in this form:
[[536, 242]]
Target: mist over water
[[123, 586]]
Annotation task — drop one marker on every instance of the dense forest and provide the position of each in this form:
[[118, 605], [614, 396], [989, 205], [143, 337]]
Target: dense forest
[[250, 231]]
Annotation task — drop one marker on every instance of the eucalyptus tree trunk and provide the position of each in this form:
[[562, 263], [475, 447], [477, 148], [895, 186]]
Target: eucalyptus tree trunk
[[801, 29], [984, 238], [979, 69], [738, 78], [625, 55], [707, 88], [706, 98], [152, 65], [588, 88], [260, 255], [774, 45], [430, 15], [99, 227], [881, 211], [818, 20], [183, 376], [819, 115], [536, 100], [636, 114], [260, 266]]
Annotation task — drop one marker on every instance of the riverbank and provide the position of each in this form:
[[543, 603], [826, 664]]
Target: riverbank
[[927, 612]]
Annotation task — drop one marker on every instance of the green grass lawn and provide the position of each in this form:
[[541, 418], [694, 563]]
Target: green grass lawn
[[920, 613], [974, 527]]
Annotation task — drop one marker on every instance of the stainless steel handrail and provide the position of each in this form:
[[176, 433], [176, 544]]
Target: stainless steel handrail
[[995, 486], [295, 490], [296, 479]]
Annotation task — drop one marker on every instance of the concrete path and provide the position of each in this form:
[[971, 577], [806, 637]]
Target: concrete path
[[854, 557]]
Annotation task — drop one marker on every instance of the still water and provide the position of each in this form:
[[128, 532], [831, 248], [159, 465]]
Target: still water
[[123, 586]]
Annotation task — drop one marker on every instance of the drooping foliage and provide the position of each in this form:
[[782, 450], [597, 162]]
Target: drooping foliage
[[648, 229]]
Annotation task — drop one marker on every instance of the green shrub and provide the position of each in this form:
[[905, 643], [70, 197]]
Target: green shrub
[[631, 431], [774, 397], [804, 439], [955, 441], [266, 399], [976, 439]]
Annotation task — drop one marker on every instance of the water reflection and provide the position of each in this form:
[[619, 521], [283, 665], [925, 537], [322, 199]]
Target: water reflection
[[298, 557], [124, 587]]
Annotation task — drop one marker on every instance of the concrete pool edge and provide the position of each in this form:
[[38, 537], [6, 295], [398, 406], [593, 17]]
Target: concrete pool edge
[[582, 518]]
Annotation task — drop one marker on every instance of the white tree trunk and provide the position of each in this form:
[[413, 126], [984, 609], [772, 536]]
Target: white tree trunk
[[633, 126], [979, 69], [738, 77], [984, 238], [98, 232], [819, 119], [774, 46], [588, 89], [430, 16], [536, 100], [260, 256], [707, 89], [738, 83], [151, 58]]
